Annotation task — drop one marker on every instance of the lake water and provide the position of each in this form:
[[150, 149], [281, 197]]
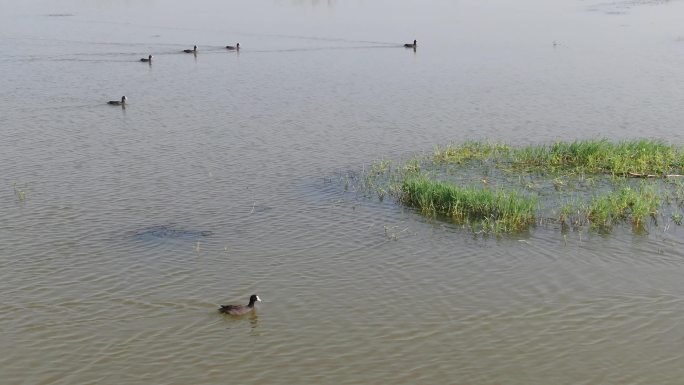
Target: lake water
[[123, 229]]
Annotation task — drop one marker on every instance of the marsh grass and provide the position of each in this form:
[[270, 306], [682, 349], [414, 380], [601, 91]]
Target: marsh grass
[[635, 205], [593, 156], [642, 157], [499, 188], [677, 190], [470, 151], [500, 211]]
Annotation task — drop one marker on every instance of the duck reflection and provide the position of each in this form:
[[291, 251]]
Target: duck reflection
[[253, 320]]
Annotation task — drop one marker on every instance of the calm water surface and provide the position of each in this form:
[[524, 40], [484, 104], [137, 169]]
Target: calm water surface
[[123, 229]]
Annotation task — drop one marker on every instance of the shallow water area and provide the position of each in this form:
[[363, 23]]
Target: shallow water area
[[124, 228]]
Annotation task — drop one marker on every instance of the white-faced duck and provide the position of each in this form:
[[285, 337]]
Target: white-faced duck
[[121, 102], [414, 45], [147, 60], [240, 309], [233, 47], [194, 50]]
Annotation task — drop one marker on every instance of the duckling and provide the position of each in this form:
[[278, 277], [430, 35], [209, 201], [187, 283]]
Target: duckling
[[240, 309], [147, 60], [414, 45], [121, 102], [194, 50], [233, 47]]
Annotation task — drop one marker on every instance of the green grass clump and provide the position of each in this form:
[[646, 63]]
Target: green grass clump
[[469, 151], [500, 211], [642, 157], [624, 204]]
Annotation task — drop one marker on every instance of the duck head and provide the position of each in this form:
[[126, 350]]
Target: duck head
[[254, 298]]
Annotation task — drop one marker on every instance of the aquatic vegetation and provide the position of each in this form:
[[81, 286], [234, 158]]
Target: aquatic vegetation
[[678, 191], [392, 233], [497, 210], [19, 191], [568, 213], [641, 157], [494, 187], [469, 151], [627, 203], [412, 165], [379, 168]]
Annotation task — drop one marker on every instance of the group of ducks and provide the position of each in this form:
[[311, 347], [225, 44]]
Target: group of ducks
[[235, 47], [148, 59], [193, 51], [235, 310]]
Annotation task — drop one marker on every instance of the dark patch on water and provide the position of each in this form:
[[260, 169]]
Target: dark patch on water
[[170, 232], [261, 209]]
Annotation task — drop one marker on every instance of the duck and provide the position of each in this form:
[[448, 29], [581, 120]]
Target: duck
[[414, 45], [194, 50], [233, 47], [121, 102], [240, 309], [147, 60]]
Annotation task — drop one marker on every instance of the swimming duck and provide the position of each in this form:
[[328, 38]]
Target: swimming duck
[[194, 50], [122, 102], [414, 45], [149, 59], [240, 309], [233, 47]]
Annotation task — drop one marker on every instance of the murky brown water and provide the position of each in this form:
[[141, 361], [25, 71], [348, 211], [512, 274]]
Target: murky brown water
[[221, 179]]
